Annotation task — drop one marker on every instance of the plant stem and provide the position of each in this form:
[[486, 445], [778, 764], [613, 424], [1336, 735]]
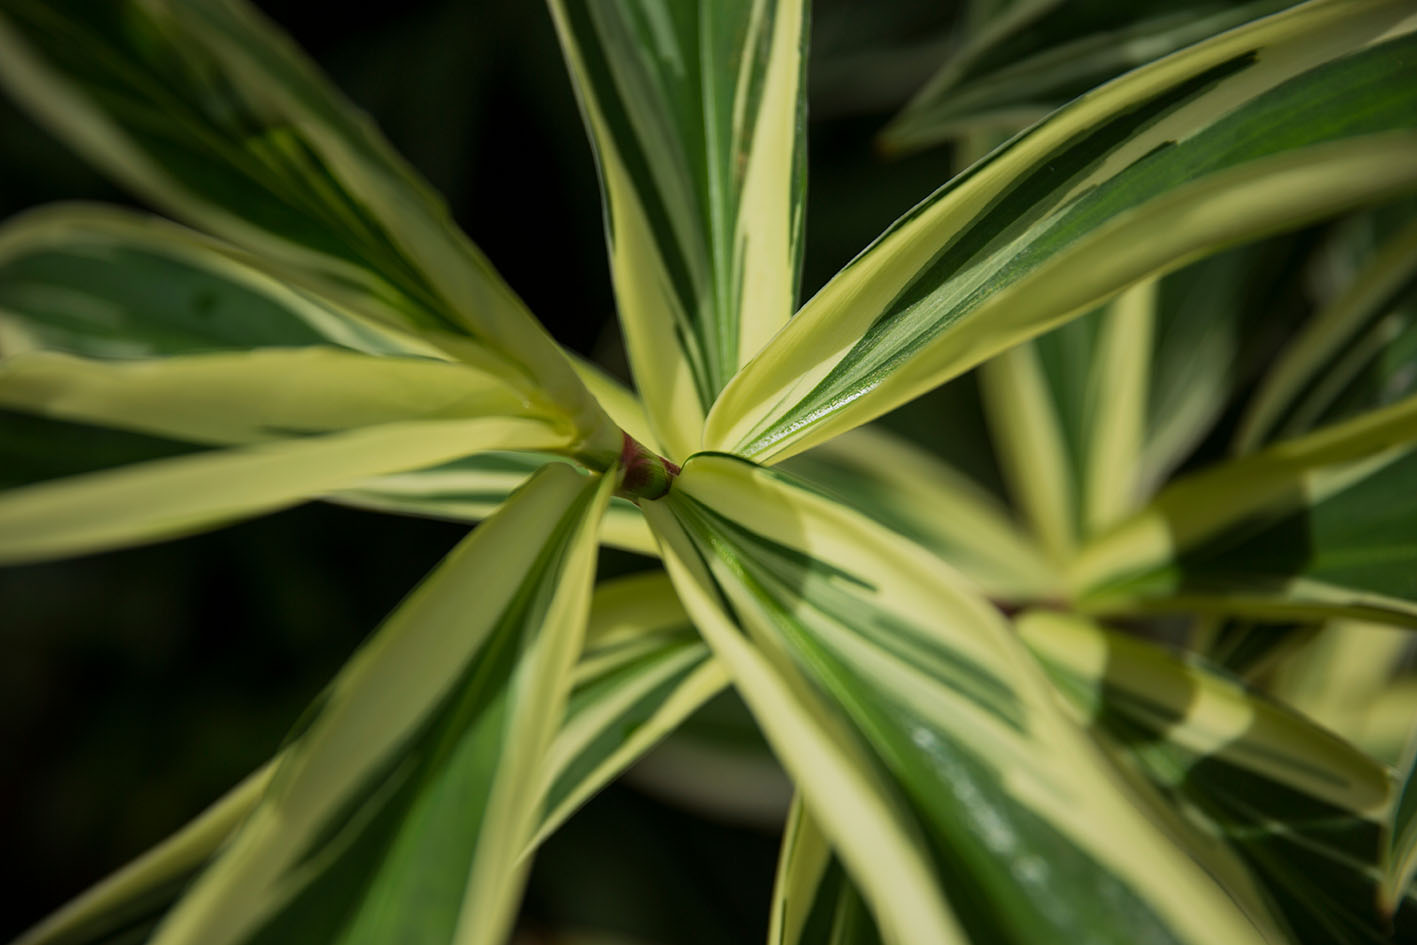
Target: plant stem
[[645, 474]]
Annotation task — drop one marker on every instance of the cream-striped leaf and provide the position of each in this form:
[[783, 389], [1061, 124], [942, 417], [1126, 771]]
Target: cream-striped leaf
[[926, 743], [255, 396], [1328, 358], [813, 900], [1300, 807], [924, 498], [417, 777], [643, 672], [184, 492], [1237, 136], [643, 669], [695, 112], [129, 903], [473, 487], [1009, 77], [205, 109], [1310, 527]]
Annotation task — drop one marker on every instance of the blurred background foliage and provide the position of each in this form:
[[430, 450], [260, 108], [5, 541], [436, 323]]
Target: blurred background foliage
[[139, 685]]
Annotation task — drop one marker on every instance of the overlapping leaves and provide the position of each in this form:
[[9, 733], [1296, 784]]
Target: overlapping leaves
[[924, 740]]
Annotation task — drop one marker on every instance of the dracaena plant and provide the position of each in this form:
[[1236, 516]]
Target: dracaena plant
[[986, 744]]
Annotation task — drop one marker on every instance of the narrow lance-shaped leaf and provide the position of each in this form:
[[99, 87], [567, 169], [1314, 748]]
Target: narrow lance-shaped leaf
[[416, 779], [813, 900], [1009, 78], [926, 743], [257, 147], [1207, 317], [111, 318], [922, 497], [131, 900], [695, 111], [471, 488], [1299, 807], [1238, 136], [1319, 363], [1399, 855], [1342, 675], [106, 283], [183, 492], [642, 671], [1312, 527]]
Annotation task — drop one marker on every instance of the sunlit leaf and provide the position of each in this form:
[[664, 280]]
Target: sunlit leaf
[[695, 111], [1300, 807], [642, 671], [206, 110], [1311, 527], [918, 495], [416, 778], [180, 494], [813, 900], [925, 742], [1175, 160]]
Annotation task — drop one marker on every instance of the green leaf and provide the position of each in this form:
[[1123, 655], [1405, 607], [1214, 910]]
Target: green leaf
[[926, 743], [695, 112], [1230, 139], [473, 487], [1346, 676], [470, 488], [643, 672], [112, 284], [813, 900], [186, 342], [180, 494], [416, 780], [1010, 77], [1329, 356], [1311, 527], [206, 110], [1208, 316], [1400, 839], [925, 499], [255, 396], [134, 898], [643, 669], [1300, 807]]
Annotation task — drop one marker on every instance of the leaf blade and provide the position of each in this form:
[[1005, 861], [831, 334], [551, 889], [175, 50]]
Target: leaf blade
[[964, 275], [833, 624], [493, 657], [695, 115]]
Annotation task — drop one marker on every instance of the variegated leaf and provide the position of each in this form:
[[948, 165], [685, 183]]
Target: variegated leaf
[[1311, 527], [1237, 136], [417, 778], [925, 741], [1348, 357], [695, 111], [130, 902], [205, 109], [813, 900], [922, 497], [642, 671], [166, 489], [1007, 77], [1300, 807]]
